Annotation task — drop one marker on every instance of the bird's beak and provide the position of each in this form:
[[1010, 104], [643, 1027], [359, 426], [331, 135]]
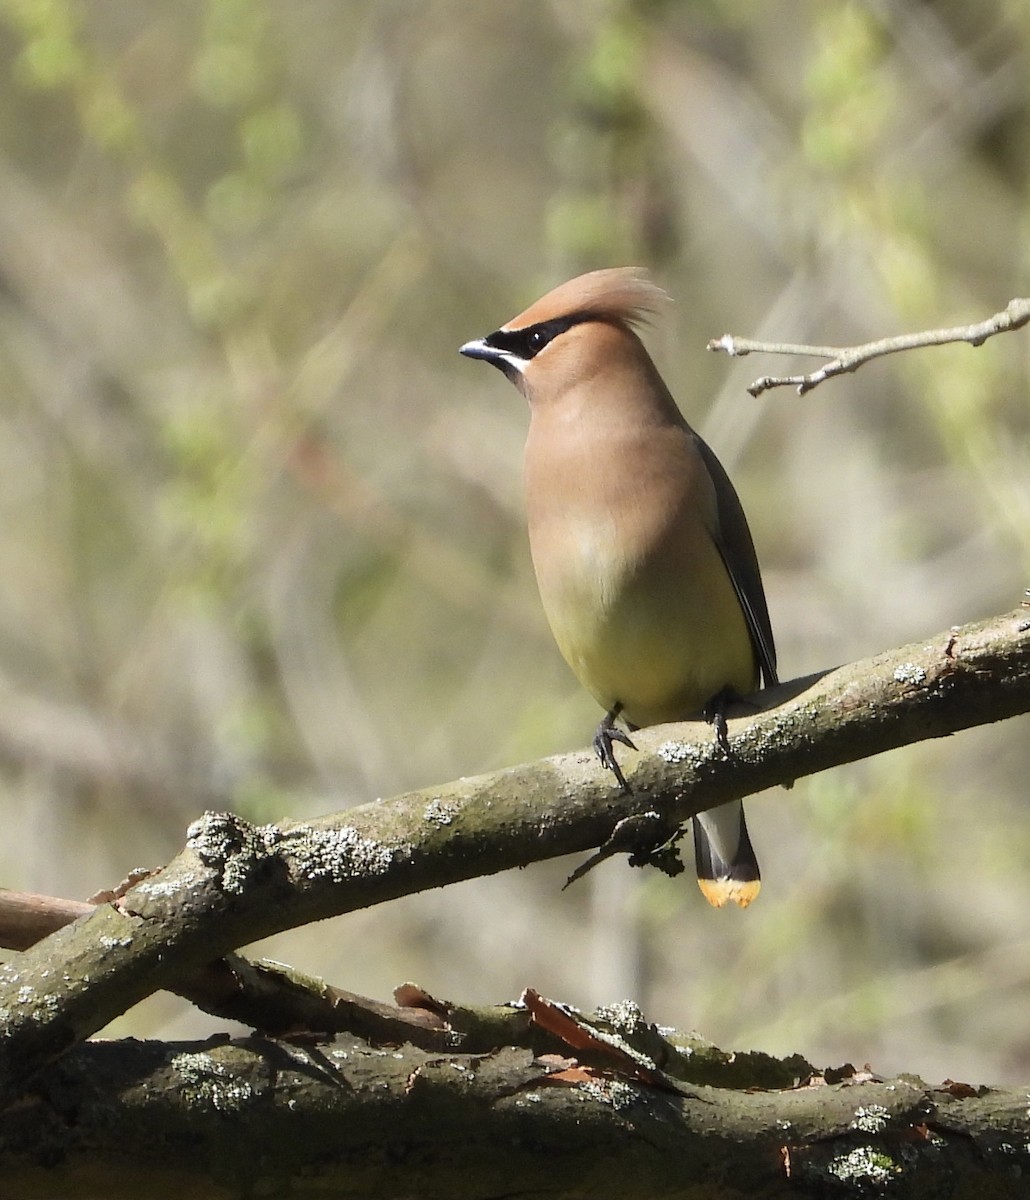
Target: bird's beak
[[478, 348], [503, 360]]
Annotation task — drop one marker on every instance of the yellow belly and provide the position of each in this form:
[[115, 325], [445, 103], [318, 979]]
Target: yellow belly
[[660, 637]]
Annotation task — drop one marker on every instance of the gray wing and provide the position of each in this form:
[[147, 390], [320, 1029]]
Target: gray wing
[[733, 541]]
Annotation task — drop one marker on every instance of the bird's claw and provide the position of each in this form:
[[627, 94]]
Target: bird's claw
[[607, 733], [715, 714]]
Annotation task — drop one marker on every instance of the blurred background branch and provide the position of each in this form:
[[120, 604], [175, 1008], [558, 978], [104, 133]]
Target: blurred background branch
[[263, 546]]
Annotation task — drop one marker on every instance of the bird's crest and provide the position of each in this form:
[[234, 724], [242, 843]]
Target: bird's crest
[[623, 295]]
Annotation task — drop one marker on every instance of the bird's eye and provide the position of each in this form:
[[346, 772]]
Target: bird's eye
[[538, 339]]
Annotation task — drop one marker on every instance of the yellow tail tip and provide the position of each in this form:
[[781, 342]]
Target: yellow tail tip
[[721, 891]]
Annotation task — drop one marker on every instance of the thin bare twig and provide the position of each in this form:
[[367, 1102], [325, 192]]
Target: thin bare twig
[[845, 359]]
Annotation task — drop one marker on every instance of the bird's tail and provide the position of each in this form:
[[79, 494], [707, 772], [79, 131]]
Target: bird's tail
[[726, 865]]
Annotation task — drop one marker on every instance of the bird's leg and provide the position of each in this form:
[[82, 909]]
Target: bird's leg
[[715, 713], [608, 732]]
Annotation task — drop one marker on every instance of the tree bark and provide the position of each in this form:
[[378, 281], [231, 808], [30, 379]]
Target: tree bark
[[261, 1117], [235, 882]]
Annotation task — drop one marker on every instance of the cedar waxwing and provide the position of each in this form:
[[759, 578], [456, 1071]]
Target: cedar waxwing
[[642, 553]]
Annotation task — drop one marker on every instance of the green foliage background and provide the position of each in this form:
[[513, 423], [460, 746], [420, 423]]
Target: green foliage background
[[262, 543]]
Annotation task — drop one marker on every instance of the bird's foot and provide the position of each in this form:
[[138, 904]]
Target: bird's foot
[[715, 713], [607, 733]]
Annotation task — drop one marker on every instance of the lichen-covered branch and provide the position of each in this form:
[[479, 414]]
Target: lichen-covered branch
[[268, 996], [278, 1000], [234, 882], [256, 1116], [844, 359]]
